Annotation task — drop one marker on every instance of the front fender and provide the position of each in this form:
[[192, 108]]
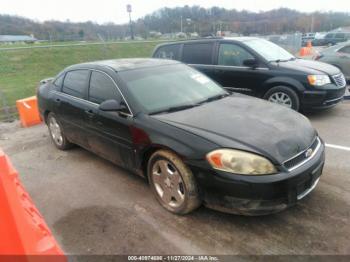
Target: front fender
[[283, 81]]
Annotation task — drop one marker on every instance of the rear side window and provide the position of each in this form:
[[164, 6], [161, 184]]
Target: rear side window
[[102, 88], [75, 83], [59, 80], [232, 55], [329, 36], [340, 35], [198, 53], [168, 52]]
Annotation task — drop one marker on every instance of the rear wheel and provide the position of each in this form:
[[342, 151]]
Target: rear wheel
[[173, 183], [284, 96], [56, 133]]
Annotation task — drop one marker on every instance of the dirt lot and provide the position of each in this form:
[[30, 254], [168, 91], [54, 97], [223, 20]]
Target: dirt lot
[[94, 207]]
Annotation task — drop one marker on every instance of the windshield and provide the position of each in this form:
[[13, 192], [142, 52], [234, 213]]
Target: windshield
[[165, 88], [268, 50]]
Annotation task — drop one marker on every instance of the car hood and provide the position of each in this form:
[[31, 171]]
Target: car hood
[[310, 67], [247, 123]]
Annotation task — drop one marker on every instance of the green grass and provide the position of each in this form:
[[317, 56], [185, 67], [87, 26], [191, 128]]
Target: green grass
[[21, 70]]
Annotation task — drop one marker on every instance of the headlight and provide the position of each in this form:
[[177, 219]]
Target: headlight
[[318, 80], [240, 162]]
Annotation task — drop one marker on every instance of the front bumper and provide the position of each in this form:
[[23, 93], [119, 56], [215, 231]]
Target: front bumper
[[259, 195], [322, 99]]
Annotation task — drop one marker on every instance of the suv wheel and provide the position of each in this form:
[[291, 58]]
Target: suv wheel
[[56, 133], [173, 183], [284, 96]]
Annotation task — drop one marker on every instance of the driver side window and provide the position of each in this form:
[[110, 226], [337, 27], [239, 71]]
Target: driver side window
[[102, 88], [232, 55]]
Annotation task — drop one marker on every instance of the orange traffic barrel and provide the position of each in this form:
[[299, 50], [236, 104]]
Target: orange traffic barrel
[[28, 111]]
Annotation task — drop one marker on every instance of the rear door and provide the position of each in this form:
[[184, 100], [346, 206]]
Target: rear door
[[110, 134], [70, 105], [200, 56]]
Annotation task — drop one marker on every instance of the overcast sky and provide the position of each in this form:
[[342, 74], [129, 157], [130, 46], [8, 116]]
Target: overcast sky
[[102, 11]]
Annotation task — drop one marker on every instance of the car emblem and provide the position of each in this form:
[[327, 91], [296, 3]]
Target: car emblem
[[308, 152]]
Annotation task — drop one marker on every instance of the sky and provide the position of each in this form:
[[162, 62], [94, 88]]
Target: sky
[[104, 11]]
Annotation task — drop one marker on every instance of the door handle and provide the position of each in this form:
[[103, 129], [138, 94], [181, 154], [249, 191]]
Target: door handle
[[90, 113], [58, 101]]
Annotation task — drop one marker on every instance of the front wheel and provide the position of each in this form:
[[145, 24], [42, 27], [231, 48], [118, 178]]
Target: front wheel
[[173, 183], [284, 96]]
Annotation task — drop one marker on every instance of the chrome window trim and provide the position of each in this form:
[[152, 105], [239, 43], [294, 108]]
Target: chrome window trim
[[73, 97], [96, 70], [303, 152], [227, 66]]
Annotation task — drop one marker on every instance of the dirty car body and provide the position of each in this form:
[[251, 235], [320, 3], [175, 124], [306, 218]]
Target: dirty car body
[[235, 122]]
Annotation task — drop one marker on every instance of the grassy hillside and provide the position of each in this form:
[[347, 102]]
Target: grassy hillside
[[21, 70]]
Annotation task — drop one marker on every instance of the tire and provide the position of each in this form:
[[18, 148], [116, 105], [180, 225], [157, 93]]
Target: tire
[[56, 133], [167, 173], [284, 96]]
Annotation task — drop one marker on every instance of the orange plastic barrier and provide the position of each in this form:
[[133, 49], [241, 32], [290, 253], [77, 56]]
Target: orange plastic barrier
[[23, 231], [28, 111], [306, 51]]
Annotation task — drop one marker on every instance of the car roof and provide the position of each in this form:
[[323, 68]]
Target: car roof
[[125, 64], [210, 39]]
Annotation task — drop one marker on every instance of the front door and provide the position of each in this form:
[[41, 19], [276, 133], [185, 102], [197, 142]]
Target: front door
[[231, 72], [110, 131]]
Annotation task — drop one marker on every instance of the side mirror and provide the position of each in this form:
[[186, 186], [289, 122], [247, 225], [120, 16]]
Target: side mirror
[[250, 62], [111, 105]]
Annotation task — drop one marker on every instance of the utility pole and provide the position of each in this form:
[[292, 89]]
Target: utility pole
[[181, 24], [129, 10], [312, 22]]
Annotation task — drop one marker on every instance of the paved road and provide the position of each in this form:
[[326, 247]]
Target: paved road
[[94, 207]]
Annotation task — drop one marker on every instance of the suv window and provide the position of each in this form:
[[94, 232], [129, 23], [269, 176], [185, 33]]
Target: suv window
[[329, 36], [75, 83], [340, 35], [102, 88], [168, 52], [232, 55], [200, 53]]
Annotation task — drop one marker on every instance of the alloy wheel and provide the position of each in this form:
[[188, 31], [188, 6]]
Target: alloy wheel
[[281, 98], [55, 131], [168, 183]]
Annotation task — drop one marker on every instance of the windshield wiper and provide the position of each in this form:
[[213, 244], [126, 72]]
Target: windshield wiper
[[174, 109], [213, 98]]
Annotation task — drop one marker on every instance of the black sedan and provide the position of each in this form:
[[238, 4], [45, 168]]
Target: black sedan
[[194, 142]]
